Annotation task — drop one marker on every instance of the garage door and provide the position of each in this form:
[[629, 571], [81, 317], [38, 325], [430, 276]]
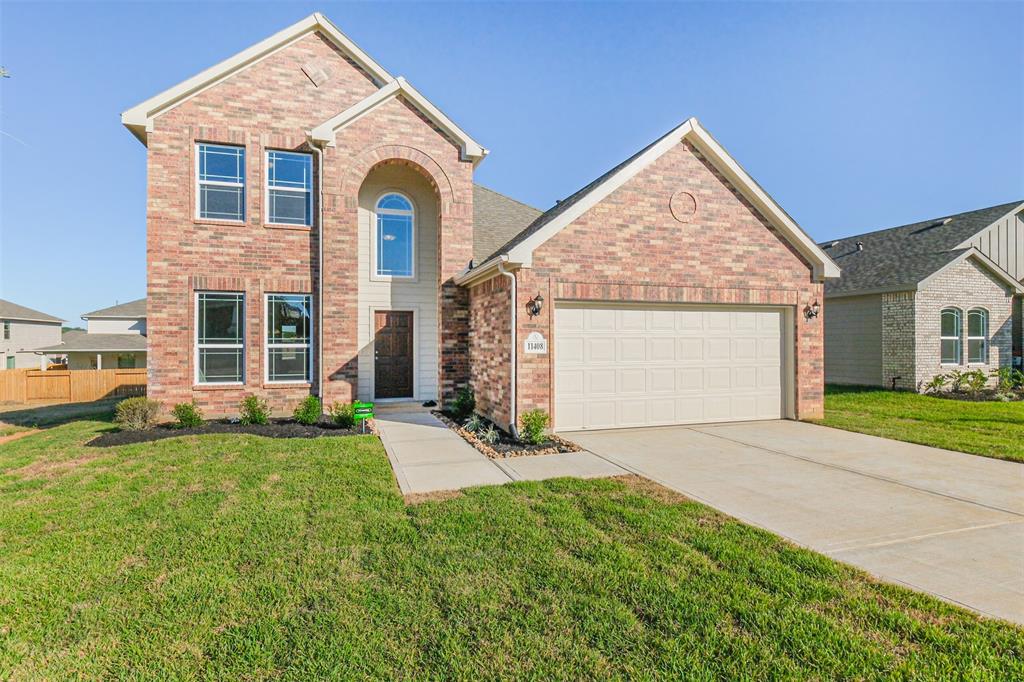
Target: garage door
[[626, 366]]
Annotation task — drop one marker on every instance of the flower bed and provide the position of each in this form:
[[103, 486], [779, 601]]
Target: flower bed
[[507, 446], [277, 428]]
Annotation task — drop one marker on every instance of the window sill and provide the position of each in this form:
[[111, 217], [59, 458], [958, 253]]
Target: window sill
[[214, 221], [282, 226], [217, 387], [287, 384]]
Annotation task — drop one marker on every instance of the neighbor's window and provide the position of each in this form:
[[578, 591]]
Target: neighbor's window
[[977, 336], [950, 336], [395, 236], [289, 337], [220, 329], [220, 175], [289, 188], [126, 361], [10, 362], [7, 330]]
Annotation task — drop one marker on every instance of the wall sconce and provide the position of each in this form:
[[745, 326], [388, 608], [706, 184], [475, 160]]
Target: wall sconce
[[534, 305], [812, 311]]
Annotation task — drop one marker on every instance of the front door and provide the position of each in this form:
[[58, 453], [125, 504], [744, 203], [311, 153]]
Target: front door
[[392, 354]]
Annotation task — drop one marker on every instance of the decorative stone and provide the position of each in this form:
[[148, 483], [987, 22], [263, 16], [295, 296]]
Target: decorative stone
[[683, 206]]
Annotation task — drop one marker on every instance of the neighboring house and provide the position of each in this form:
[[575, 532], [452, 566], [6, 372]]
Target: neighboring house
[[23, 329], [114, 338], [926, 298], [672, 289]]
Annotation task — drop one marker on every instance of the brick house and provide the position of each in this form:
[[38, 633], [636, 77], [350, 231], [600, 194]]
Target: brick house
[[314, 227], [927, 298]]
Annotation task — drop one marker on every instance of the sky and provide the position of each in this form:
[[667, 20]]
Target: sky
[[853, 116]]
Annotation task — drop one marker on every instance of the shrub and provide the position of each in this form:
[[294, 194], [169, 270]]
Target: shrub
[[975, 381], [309, 410], [1008, 379], [188, 415], [136, 414], [476, 423], [464, 403], [490, 435], [937, 383], [343, 414], [253, 410], [534, 423], [956, 379]]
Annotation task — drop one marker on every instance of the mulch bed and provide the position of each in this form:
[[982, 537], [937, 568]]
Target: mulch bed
[[280, 428], [986, 396], [507, 446]]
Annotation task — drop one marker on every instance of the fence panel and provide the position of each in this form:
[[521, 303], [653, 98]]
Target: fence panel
[[12, 385], [75, 385]]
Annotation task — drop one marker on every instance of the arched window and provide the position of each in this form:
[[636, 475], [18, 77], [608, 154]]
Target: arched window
[[977, 336], [395, 237], [950, 332]]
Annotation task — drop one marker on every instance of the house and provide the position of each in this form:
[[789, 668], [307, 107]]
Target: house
[[926, 298], [314, 227], [114, 338], [23, 330]]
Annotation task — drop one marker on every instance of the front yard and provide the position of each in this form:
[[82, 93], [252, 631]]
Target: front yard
[[240, 557], [991, 429]]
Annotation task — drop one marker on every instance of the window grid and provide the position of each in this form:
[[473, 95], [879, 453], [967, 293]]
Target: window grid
[[951, 350], [227, 348], [280, 346], [7, 330], [977, 336], [285, 189], [217, 182], [395, 220]]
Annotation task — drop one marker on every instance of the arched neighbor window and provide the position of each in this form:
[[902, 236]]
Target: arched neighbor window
[[395, 237], [977, 336], [950, 334]]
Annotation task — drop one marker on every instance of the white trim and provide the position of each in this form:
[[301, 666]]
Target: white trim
[[375, 276], [415, 310], [195, 340], [326, 132], [308, 346], [983, 260], [959, 338], [219, 183], [294, 190], [966, 244], [983, 338], [691, 131], [139, 119]]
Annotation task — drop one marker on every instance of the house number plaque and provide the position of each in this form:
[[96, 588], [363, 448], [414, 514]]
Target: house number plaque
[[535, 343]]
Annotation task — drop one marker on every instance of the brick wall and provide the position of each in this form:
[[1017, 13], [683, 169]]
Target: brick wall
[[631, 248], [898, 325], [489, 350], [853, 340]]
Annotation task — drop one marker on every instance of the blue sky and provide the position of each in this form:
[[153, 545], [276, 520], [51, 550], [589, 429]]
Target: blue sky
[[854, 116]]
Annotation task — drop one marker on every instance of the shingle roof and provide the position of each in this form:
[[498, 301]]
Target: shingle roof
[[496, 219], [900, 257], [135, 308], [76, 340], [13, 311]]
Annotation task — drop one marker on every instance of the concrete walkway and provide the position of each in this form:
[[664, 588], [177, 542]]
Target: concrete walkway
[[942, 522]]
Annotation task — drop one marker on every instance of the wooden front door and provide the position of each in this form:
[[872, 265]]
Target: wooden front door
[[392, 353]]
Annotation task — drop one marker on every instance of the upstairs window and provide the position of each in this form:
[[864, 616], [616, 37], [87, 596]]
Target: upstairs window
[[395, 237], [220, 334], [977, 336], [289, 337], [220, 175], [289, 188], [950, 337], [7, 330]]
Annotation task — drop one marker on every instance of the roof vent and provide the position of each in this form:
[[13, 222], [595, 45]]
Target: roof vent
[[860, 246]]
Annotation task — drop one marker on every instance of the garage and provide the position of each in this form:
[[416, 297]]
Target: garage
[[631, 365]]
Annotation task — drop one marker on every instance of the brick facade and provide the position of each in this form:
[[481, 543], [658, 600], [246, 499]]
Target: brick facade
[[898, 327], [489, 351]]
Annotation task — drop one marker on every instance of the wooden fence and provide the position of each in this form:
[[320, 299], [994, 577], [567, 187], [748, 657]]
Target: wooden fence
[[70, 385]]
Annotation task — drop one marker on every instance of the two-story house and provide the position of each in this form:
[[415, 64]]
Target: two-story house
[[313, 226], [114, 338], [23, 329]]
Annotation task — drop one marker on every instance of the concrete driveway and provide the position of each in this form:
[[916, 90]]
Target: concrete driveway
[[938, 521]]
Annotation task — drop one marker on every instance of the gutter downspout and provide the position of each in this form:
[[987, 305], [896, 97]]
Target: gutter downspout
[[512, 359], [320, 273]]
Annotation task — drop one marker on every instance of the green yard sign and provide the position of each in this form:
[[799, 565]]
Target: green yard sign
[[363, 411]]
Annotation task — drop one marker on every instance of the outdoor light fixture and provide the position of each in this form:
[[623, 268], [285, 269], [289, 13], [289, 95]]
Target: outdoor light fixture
[[812, 311], [533, 307]]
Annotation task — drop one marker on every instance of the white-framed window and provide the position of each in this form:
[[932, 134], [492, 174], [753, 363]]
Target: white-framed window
[[289, 196], [220, 337], [950, 338], [394, 237], [220, 182], [288, 342], [7, 330], [977, 336]]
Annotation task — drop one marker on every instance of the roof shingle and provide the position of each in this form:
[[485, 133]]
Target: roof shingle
[[136, 308], [13, 311], [76, 341]]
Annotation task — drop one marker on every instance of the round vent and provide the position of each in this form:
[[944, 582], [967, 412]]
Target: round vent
[[683, 206]]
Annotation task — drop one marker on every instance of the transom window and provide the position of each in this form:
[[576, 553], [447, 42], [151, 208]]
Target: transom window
[[289, 188], [950, 337], [977, 336], [395, 236], [289, 340], [220, 175], [220, 338]]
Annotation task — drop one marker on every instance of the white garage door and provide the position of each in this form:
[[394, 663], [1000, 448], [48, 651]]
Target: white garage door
[[625, 366]]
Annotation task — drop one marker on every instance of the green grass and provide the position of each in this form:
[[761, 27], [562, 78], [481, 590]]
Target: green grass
[[991, 429], [237, 557]]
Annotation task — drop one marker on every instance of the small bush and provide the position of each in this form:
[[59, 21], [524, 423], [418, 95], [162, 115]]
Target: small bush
[[343, 414], [534, 423], [309, 410], [464, 403], [956, 380], [490, 435], [1008, 379], [188, 415], [975, 381], [136, 414], [253, 410], [937, 383], [476, 423]]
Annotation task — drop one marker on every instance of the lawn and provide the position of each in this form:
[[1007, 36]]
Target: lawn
[[239, 557], [991, 429]]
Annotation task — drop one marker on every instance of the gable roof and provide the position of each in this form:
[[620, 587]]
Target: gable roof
[[131, 309], [496, 219], [520, 248], [139, 119], [325, 132], [899, 258], [13, 311], [75, 340]]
